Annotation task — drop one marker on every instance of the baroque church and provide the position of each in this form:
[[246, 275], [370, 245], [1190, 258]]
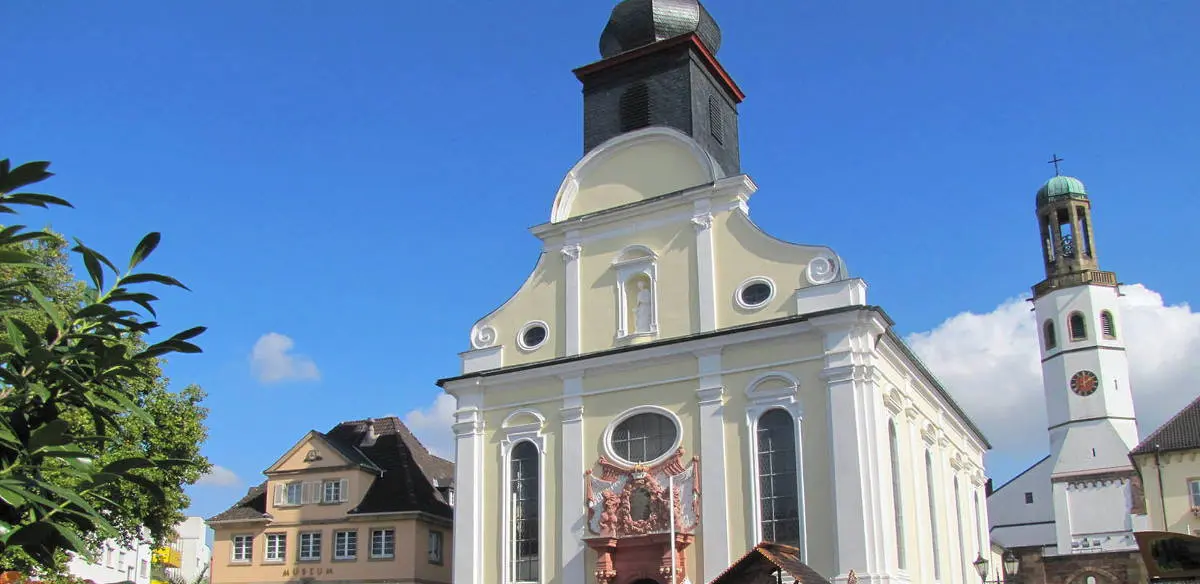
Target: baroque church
[[1072, 515], [672, 386]]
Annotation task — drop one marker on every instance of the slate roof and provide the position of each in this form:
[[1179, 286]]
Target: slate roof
[[1181, 432], [408, 475], [758, 565]]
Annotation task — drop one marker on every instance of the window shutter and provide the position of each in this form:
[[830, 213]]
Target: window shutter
[[279, 494], [343, 490]]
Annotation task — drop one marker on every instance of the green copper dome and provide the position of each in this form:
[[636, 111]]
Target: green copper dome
[[1061, 187]]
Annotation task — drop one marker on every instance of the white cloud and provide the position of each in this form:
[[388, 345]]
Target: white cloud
[[990, 364], [432, 425], [219, 476], [271, 362]]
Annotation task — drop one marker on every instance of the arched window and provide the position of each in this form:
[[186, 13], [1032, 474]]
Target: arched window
[[778, 496], [635, 107], [897, 498], [524, 528], [1049, 336], [1107, 325], [1078, 327], [978, 522], [963, 558], [933, 518]]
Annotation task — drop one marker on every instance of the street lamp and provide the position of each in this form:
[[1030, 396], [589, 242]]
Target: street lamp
[[1011, 566]]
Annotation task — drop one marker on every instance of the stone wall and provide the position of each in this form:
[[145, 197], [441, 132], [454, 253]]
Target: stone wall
[[1106, 567]]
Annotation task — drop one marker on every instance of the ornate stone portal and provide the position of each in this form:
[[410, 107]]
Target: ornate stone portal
[[630, 515]]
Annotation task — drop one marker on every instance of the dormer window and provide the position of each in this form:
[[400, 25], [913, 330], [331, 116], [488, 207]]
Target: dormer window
[[334, 491], [293, 494]]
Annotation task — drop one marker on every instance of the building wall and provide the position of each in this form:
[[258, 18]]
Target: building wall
[[114, 563], [195, 553], [1168, 503], [411, 559]]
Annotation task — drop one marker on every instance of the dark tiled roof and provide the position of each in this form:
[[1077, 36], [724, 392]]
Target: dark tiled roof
[[408, 475], [411, 474], [1181, 432], [252, 506], [759, 563]]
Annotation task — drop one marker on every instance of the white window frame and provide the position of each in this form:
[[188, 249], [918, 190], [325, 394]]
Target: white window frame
[[514, 434], [340, 486], [248, 548], [383, 556], [281, 553], [337, 545], [437, 543], [1194, 491], [631, 412], [760, 400], [300, 546]]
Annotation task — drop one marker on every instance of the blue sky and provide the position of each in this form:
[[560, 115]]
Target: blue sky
[[359, 176]]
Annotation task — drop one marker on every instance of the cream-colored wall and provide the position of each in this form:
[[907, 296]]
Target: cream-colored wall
[[636, 173], [410, 560], [539, 298], [294, 459], [1177, 469], [358, 481]]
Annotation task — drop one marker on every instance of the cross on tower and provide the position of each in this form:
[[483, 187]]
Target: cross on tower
[[1054, 159]]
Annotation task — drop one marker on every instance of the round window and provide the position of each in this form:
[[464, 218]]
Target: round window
[[643, 437], [532, 336], [755, 292]]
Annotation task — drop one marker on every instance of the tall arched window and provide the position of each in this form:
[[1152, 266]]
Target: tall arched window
[[962, 537], [1078, 326], [978, 523], [897, 498], [1049, 336], [1107, 325], [524, 528], [933, 519], [778, 496]]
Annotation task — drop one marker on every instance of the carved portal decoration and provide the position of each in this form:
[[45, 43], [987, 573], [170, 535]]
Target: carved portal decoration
[[630, 514]]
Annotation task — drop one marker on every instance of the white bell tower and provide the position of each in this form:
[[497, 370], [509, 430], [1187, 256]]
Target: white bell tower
[[1085, 374]]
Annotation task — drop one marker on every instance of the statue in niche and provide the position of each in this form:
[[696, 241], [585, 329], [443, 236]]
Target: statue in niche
[[642, 309]]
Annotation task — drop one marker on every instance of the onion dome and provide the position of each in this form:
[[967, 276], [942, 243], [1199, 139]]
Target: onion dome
[[1061, 187], [637, 23]]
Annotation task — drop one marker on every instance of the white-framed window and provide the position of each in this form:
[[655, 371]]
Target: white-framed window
[[345, 545], [962, 537], [521, 450], [933, 517], [1078, 326], [121, 561], [310, 546], [243, 546], [897, 495], [776, 478], [145, 568], [276, 547], [383, 543], [334, 491], [1194, 491], [644, 434], [435, 547]]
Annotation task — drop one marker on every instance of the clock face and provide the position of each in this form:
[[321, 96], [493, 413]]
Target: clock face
[[1084, 383]]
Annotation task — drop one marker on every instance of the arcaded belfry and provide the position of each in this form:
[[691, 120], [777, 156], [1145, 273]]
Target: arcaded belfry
[[671, 386]]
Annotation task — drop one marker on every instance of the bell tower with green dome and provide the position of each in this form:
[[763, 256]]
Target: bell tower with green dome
[[1085, 374]]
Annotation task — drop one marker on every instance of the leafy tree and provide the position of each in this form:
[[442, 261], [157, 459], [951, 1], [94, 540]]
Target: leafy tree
[[82, 398]]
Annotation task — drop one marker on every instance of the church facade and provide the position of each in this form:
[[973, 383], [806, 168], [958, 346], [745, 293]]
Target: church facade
[[1072, 515], [672, 386]]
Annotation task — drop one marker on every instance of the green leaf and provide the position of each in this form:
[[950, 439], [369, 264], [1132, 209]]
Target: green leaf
[[14, 257], [86, 251], [125, 465], [15, 337], [156, 278], [154, 489], [188, 334], [38, 200], [144, 248], [24, 175], [49, 309], [94, 269], [30, 534], [53, 433]]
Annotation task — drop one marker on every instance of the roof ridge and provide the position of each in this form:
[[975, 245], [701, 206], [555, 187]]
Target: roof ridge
[[1156, 435]]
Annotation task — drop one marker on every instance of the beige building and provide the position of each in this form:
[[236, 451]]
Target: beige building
[[1168, 461], [364, 502], [671, 385]]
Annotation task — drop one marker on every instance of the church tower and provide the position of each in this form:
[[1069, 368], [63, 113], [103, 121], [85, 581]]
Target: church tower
[[1085, 372]]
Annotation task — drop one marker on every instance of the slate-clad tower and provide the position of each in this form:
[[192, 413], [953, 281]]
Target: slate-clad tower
[[659, 68], [1089, 402]]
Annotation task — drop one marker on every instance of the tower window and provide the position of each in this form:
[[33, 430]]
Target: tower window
[[1049, 336], [1065, 236], [1078, 327], [1107, 326], [1084, 240], [1028, 498], [716, 121], [635, 107]]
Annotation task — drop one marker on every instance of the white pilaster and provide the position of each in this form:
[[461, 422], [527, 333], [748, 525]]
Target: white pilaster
[[571, 328], [854, 405], [571, 487], [467, 567], [705, 266], [714, 501]]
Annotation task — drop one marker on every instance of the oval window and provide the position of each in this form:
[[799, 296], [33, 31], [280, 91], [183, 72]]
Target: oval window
[[643, 437], [755, 293], [533, 336]]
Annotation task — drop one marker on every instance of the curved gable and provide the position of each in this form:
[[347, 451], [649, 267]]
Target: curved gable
[[633, 167]]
